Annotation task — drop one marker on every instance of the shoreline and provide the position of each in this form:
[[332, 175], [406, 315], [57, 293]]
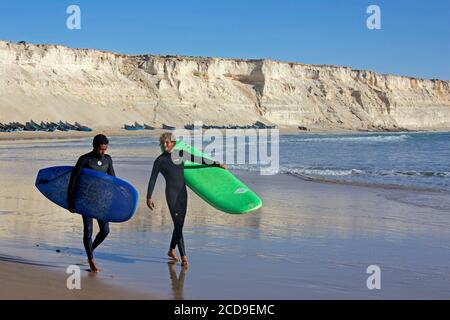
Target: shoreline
[[375, 186], [114, 132]]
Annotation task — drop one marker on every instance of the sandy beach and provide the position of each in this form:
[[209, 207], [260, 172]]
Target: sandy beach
[[25, 279], [310, 240]]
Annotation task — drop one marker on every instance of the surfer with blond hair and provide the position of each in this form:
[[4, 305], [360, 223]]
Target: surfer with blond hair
[[171, 165]]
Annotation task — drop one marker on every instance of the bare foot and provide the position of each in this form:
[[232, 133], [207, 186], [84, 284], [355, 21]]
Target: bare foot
[[184, 261], [173, 255], [93, 266]]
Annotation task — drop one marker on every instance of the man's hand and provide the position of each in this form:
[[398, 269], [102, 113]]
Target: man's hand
[[150, 204], [223, 166], [71, 206]]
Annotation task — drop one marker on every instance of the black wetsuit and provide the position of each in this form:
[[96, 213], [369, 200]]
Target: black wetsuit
[[172, 168], [103, 164]]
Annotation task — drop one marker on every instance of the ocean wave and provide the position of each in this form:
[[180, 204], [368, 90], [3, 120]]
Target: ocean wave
[[339, 172], [325, 172], [359, 172], [377, 138], [395, 173]]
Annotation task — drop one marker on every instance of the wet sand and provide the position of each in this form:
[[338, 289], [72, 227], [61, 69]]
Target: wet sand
[[310, 240], [22, 279]]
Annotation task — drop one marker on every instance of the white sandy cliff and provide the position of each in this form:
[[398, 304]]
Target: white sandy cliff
[[104, 89]]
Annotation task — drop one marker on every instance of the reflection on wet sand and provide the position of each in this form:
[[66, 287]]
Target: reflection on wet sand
[[177, 282]]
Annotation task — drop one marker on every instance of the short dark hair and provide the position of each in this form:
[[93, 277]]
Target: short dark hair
[[99, 139]]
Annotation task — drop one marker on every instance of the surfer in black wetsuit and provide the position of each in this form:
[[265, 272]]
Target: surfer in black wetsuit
[[170, 164], [99, 161]]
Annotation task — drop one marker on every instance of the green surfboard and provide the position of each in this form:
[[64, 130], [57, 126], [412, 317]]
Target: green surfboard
[[218, 187]]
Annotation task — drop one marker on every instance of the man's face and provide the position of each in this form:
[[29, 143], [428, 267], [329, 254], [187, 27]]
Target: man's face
[[101, 149], [168, 145]]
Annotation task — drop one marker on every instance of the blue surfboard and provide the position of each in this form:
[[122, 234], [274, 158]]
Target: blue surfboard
[[97, 195]]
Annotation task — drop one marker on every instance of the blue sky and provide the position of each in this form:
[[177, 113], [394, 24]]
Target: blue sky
[[414, 39]]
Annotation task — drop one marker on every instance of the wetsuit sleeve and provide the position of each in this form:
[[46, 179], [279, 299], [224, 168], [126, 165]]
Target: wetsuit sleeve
[[200, 160], [153, 176], [111, 168], [74, 178]]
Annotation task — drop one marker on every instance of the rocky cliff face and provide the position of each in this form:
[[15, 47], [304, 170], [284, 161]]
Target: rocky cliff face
[[104, 89]]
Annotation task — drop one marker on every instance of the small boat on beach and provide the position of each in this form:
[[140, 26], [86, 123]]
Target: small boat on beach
[[133, 127], [81, 127], [166, 127], [3, 128], [70, 126]]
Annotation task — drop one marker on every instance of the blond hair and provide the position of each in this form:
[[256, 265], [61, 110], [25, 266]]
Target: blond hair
[[166, 136]]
